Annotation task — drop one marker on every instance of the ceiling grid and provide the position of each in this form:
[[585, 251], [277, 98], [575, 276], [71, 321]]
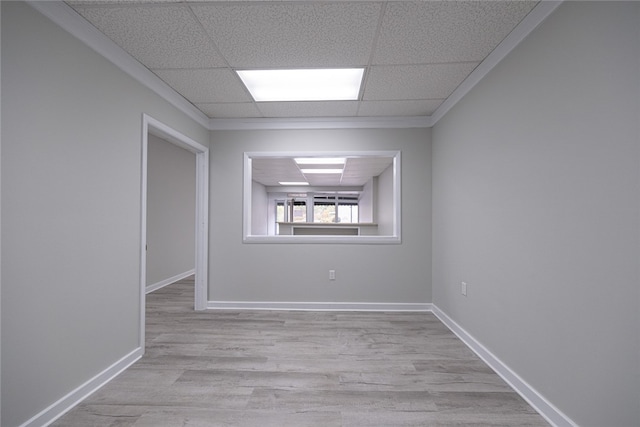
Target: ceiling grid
[[415, 54]]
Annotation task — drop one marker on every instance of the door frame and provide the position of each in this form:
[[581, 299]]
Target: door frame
[[161, 130]]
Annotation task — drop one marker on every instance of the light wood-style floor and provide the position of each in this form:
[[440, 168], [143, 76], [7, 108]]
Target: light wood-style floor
[[264, 368]]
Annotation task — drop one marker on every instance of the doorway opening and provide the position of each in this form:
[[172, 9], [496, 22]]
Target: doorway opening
[[151, 126]]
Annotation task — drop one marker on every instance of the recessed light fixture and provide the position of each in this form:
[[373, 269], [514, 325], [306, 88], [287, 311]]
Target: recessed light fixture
[[292, 183], [309, 171], [317, 84], [320, 160]]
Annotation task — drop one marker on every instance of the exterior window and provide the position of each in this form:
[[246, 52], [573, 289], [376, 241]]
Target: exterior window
[[348, 212], [291, 210], [324, 211], [330, 208], [280, 212], [298, 211]]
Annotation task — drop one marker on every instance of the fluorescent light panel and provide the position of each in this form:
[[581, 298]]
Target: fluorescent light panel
[[327, 84], [292, 183]]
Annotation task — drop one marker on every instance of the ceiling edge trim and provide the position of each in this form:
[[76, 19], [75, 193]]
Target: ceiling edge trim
[[320, 123], [70, 21], [530, 22]]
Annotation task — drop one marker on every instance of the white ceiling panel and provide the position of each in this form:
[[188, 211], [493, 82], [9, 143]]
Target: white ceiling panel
[[352, 182], [270, 171], [445, 31], [406, 108], [366, 166], [272, 164], [415, 53], [325, 181], [308, 109], [430, 81], [79, 3], [306, 34], [357, 171], [214, 85], [159, 36]]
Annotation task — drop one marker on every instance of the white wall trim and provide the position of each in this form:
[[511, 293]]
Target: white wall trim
[[170, 280], [70, 21], [159, 129], [318, 306], [68, 402], [0, 216], [394, 238], [321, 123], [316, 240], [530, 22], [552, 414]]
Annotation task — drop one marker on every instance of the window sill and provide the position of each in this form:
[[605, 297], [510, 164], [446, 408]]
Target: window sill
[[361, 240]]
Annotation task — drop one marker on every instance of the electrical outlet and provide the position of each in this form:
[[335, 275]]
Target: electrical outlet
[[463, 288], [332, 275]]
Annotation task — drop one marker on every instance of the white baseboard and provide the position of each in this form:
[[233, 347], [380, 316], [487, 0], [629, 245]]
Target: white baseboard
[[170, 280], [317, 306], [68, 402], [545, 408]]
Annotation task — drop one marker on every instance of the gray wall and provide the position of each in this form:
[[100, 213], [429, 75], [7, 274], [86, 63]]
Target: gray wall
[[367, 201], [71, 164], [0, 222], [171, 210], [299, 272], [384, 201], [260, 209], [536, 205]]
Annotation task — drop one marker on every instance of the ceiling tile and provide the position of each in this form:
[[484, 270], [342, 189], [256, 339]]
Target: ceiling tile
[[399, 108], [324, 180], [308, 109], [445, 31], [352, 182], [77, 3], [216, 85], [366, 166], [158, 36], [435, 81], [416, 52], [229, 110], [357, 171], [311, 34], [272, 170]]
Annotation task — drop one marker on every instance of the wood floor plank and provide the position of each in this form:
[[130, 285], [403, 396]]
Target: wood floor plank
[[292, 368]]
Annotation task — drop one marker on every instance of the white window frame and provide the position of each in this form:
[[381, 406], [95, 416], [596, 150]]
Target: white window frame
[[393, 238]]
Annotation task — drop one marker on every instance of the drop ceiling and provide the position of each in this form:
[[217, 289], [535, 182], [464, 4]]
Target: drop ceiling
[[356, 171], [415, 54]]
